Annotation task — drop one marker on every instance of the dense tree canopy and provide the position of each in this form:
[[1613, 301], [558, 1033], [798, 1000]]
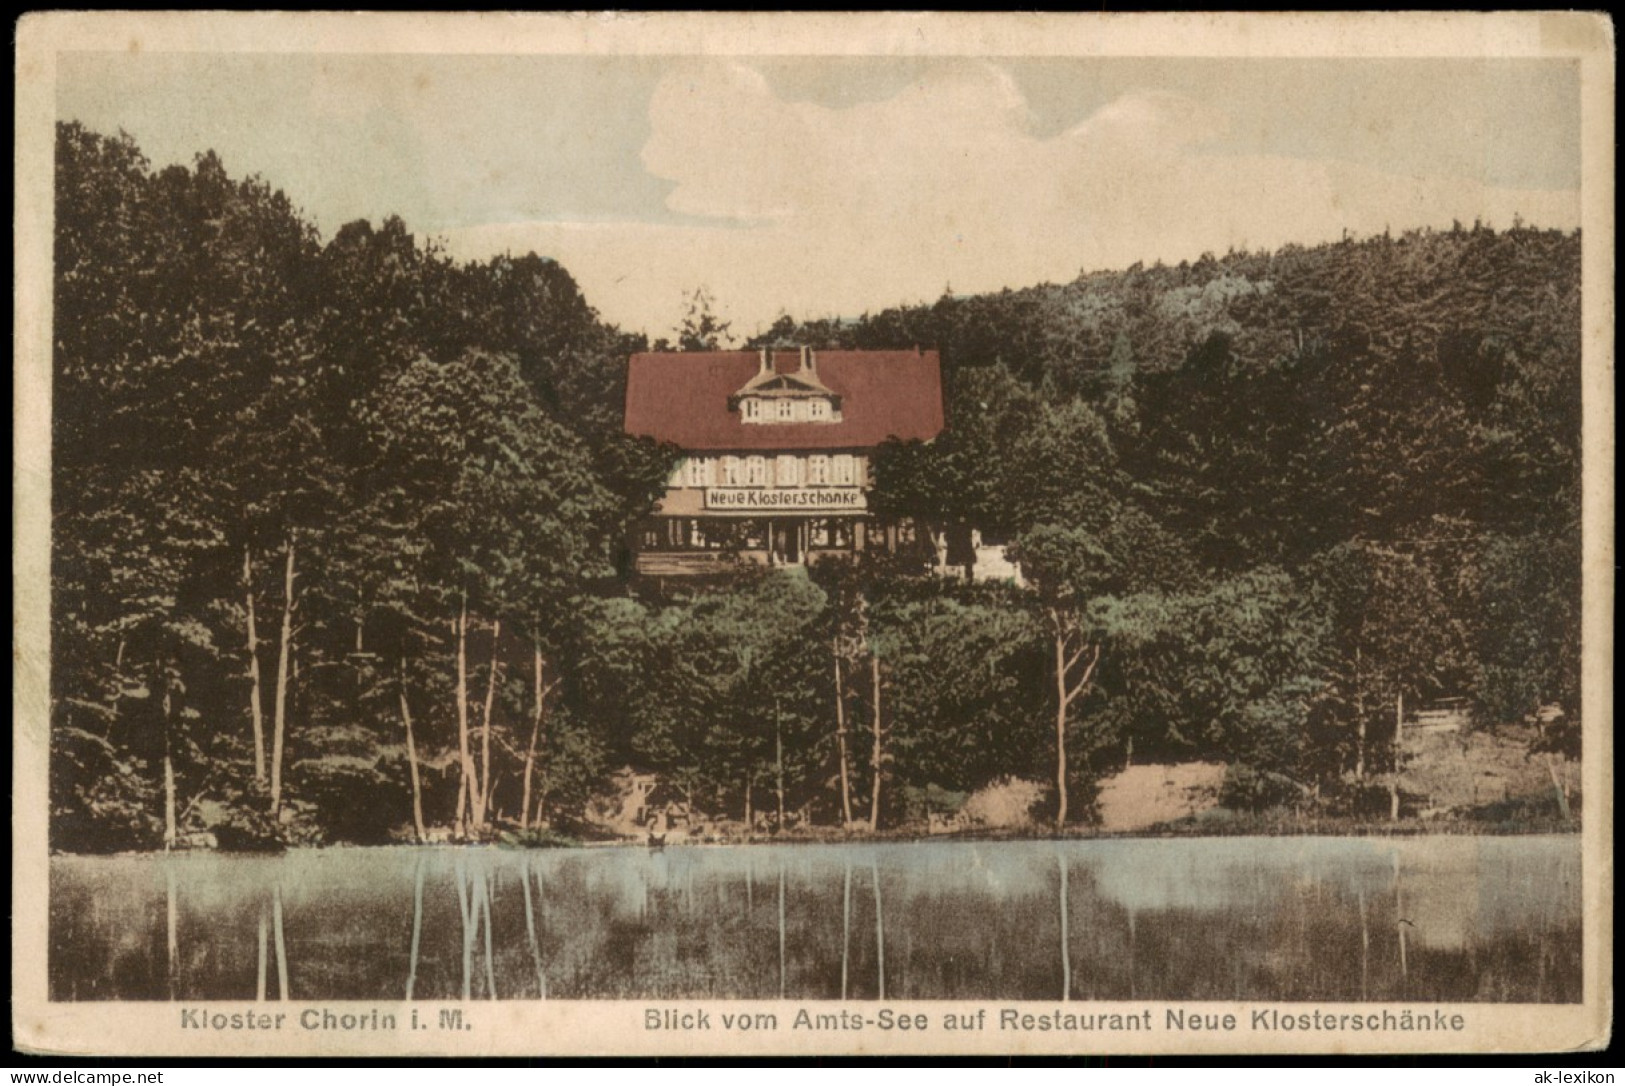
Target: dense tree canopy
[[338, 531]]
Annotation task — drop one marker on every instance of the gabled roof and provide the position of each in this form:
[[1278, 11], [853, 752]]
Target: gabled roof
[[682, 398]]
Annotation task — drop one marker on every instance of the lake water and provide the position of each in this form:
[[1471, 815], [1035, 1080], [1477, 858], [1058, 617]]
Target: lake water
[[1438, 918]]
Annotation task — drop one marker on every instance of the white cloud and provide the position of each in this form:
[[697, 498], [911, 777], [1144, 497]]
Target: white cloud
[[822, 211]]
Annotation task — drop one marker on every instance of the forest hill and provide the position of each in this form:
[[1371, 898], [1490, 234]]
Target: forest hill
[[339, 536]]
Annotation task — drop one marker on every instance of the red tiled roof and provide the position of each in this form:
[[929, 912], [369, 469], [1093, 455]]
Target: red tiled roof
[[682, 397]]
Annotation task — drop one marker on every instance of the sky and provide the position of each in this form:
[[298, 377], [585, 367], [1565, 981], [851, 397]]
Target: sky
[[826, 187]]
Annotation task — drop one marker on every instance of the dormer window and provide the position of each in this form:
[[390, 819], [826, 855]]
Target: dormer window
[[787, 410], [752, 409], [818, 410]]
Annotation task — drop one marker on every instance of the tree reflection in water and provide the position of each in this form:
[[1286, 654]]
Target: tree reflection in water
[[1472, 919]]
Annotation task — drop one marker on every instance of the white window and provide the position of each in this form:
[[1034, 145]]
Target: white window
[[787, 410], [787, 471], [818, 409], [817, 470], [845, 473], [699, 471], [756, 471], [732, 471], [753, 409]]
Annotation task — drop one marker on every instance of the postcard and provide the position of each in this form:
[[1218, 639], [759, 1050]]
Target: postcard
[[812, 534]]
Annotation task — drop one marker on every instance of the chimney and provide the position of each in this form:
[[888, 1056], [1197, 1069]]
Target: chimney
[[809, 361], [766, 362]]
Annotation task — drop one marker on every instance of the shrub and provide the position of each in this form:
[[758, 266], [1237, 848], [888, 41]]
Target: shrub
[[1007, 802], [1246, 788], [933, 799]]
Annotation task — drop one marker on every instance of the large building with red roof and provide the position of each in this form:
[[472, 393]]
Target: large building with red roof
[[777, 445]]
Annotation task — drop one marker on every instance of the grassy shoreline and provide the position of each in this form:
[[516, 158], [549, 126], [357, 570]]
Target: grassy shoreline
[[1251, 826]]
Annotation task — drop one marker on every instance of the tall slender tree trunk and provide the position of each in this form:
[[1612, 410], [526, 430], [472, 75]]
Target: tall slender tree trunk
[[530, 929], [281, 943], [880, 934], [1061, 702], [1359, 745], [260, 974], [878, 757], [539, 695], [1065, 695], [280, 722], [169, 801], [1359, 717], [778, 764], [840, 740], [468, 783], [783, 964], [172, 931], [170, 830], [1131, 989], [485, 914], [1402, 923], [1066, 938], [1365, 948], [1399, 754], [470, 919], [1560, 786], [255, 709], [482, 797], [846, 925], [417, 926], [412, 759]]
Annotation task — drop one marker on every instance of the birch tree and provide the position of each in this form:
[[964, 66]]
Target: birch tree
[[510, 521]]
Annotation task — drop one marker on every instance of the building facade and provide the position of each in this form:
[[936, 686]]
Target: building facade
[[777, 451]]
